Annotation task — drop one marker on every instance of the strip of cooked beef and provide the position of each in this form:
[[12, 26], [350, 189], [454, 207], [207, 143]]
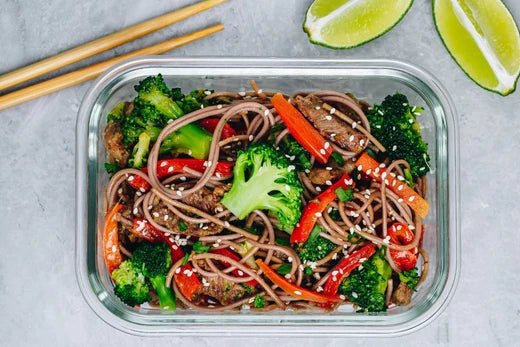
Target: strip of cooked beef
[[166, 218], [219, 289], [207, 200], [329, 126], [320, 175], [402, 295], [117, 152], [203, 199]]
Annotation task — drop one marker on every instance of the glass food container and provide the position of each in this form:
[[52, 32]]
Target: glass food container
[[371, 80]]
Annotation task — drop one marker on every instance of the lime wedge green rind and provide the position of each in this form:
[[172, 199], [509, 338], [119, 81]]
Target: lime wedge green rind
[[341, 24], [483, 39]]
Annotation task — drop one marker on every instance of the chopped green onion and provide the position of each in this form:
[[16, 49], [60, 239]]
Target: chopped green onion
[[284, 269], [345, 194]]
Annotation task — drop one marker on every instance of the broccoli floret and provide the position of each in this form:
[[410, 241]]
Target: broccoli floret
[[130, 285], [366, 287], [410, 278], [298, 155], [153, 108], [117, 113], [263, 181], [394, 125], [316, 247], [154, 102], [154, 260], [290, 148]]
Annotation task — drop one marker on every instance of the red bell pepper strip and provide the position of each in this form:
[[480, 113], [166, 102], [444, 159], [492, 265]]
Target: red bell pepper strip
[[346, 266], [168, 167], [187, 282], [302, 131], [210, 124], [111, 250], [230, 254], [294, 290], [372, 168], [400, 234], [145, 230], [316, 207]]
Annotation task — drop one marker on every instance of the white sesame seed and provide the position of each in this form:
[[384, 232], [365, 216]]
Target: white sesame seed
[[130, 179], [361, 142], [318, 107], [411, 198], [354, 295], [354, 125], [332, 110], [318, 189], [351, 138], [327, 117], [369, 171], [226, 224], [287, 276], [170, 169], [260, 91], [291, 167], [326, 145], [178, 192], [297, 292], [266, 112], [399, 200], [318, 214], [219, 107], [322, 151], [242, 93], [207, 92], [360, 167]]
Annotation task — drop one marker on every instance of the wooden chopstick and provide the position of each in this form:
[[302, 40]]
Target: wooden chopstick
[[102, 44], [89, 72]]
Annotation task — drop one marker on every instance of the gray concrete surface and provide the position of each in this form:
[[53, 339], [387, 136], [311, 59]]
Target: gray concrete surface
[[40, 301]]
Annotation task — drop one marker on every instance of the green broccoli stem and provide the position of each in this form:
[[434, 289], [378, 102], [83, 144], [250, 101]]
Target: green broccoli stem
[[191, 139], [140, 151], [165, 294]]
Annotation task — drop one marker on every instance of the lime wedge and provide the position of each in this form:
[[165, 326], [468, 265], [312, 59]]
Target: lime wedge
[[483, 39], [350, 23]]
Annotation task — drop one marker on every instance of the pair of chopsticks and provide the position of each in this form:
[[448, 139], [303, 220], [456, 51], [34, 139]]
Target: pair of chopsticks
[[97, 46]]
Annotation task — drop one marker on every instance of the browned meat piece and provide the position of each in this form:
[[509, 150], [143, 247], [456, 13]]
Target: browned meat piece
[[329, 126], [222, 290], [163, 216], [117, 152], [206, 200], [321, 176], [402, 295]]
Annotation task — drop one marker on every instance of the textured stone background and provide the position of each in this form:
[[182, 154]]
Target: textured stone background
[[39, 298]]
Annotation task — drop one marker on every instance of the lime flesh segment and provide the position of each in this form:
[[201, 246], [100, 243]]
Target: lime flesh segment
[[483, 39], [350, 23]]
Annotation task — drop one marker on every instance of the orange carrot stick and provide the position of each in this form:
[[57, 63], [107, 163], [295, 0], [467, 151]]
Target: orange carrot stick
[[373, 169]]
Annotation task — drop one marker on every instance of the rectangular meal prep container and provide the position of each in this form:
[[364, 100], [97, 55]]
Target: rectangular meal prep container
[[371, 80]]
